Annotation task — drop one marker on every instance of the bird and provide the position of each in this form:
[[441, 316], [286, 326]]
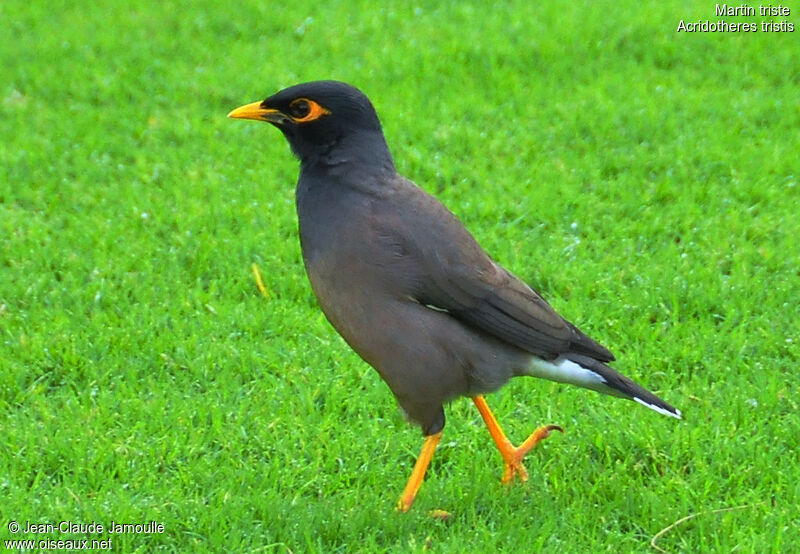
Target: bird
[[407, 286]]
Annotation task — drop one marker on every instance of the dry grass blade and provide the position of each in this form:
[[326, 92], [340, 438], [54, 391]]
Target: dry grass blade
[[682, 520], [259, 281]]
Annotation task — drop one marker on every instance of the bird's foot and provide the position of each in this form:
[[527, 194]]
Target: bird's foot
[[404, 504], [418, 473], [514, 468], [513, 456]]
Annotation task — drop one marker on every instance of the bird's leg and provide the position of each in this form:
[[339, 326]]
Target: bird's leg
[[504, 445], [418, 474], [512, 456]]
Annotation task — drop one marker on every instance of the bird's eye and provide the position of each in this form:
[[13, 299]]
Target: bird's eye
[[303, 110], [299, 108]]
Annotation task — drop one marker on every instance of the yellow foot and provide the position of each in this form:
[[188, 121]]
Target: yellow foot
[[515, 467], [420, 467], [513, 456]]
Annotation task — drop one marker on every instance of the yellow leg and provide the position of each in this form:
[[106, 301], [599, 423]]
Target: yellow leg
[[418, 474], [512, 456]]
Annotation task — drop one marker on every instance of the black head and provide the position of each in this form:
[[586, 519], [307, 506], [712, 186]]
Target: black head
[[324, 121]]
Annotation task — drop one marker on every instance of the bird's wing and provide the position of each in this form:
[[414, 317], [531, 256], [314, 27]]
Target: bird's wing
[[496, 301], [456, 275]]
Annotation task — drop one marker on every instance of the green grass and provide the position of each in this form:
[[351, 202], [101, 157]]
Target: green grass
[[645, 181]]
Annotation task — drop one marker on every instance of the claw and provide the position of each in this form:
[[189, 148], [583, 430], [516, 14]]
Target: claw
[[513, 462], [512, 456]]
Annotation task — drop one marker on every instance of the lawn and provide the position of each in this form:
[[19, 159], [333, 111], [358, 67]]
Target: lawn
[[644, 180]]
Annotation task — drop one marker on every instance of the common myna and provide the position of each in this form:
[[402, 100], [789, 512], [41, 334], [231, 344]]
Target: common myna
[[409, 288]]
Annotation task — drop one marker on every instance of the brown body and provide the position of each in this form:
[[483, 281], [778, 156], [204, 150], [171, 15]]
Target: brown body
[[408, 287], [363, 259]]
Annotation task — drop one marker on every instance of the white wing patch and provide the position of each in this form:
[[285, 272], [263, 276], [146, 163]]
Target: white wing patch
[[660, 410], [563, 370]]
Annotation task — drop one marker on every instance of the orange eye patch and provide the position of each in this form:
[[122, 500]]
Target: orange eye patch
[[304, 110]]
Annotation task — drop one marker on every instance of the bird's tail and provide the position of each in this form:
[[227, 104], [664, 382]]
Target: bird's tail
[[589, 373]]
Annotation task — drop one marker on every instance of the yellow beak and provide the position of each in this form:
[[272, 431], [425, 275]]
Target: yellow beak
[[256, 111]]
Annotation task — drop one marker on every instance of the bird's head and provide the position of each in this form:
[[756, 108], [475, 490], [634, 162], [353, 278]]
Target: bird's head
[[321, 120]]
